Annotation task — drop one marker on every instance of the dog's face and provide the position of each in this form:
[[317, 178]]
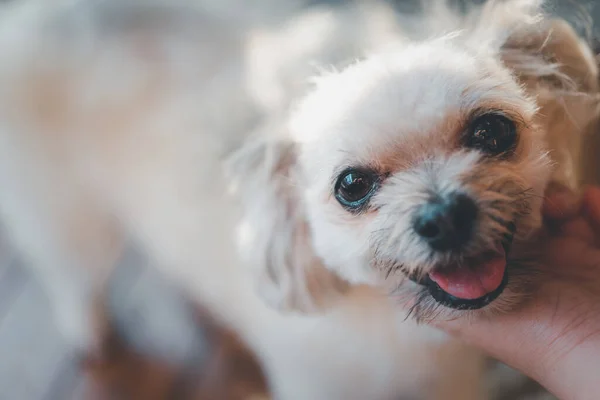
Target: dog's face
[[421, 171], [422, 164]]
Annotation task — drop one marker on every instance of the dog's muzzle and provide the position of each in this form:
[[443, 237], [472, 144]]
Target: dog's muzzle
[[447, 225]]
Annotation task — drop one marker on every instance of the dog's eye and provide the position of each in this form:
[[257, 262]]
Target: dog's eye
[[492, 134], [355, 187]]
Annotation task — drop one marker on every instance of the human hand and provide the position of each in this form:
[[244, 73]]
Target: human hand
[[555, 336]]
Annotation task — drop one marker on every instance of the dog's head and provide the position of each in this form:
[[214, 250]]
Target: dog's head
[[416, 170]]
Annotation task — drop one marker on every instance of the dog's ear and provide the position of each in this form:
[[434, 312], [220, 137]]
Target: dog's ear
[[541, 51], [274, 235], [564, 82], [558, 69]]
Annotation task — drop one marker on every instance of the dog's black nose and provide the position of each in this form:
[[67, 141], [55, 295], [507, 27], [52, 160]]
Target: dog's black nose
[[447, 223]]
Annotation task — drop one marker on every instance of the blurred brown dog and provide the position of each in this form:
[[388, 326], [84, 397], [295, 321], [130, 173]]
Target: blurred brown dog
[[230, 371]]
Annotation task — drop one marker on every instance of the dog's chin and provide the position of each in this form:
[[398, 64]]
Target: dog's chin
[[473, 283]]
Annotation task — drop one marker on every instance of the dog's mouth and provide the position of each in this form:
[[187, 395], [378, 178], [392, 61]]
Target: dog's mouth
[[474, 282]]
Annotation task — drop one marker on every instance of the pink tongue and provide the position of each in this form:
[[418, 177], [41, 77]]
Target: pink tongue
[[472, 283]]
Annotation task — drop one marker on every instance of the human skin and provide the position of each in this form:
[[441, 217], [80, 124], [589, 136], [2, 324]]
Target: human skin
[[555, 336]]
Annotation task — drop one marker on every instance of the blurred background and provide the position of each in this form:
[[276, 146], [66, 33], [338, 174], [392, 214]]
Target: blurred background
[[35, 362]]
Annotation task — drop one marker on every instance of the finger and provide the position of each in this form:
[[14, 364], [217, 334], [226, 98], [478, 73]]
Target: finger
[[561, 203], [496, 335], [562, 256], [591, 204], [578, 228]]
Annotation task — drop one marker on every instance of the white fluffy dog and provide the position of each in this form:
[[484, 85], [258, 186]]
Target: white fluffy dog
[[425, 162]]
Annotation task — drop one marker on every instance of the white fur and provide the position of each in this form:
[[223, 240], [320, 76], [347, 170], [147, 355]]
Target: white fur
[[113, 127]]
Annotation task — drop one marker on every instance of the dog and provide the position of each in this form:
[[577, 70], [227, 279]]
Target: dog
[[461, 200], [379, 171], [115, 121]]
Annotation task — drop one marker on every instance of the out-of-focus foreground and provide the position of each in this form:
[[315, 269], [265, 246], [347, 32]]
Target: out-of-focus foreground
[[35, 362]]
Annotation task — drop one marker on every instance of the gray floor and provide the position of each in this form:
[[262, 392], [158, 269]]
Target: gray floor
[[35, 362]]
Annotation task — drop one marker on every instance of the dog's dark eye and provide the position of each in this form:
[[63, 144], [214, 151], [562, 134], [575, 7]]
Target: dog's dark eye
[[492, 134], [355, 187]]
